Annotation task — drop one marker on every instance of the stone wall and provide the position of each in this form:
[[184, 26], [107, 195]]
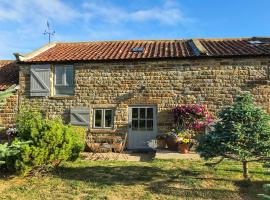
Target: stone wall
[[214, 82], [8, 111]]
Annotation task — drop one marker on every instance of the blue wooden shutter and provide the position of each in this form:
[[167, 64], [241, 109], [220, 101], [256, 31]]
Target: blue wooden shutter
[[80, 116], [40, 83]]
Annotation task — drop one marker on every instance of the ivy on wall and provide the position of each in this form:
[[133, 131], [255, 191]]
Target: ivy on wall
[[7, 93]]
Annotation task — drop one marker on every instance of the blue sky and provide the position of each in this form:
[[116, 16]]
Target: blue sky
[[22, 22]]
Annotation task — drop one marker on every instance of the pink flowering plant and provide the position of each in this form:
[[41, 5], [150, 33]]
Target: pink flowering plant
[[192, 117]]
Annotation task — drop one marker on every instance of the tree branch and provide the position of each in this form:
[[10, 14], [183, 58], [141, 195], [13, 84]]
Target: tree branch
[[259, 159], [213, 164]]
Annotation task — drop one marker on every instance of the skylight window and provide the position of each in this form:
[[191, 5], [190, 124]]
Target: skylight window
[[255, 42], [137, 49]]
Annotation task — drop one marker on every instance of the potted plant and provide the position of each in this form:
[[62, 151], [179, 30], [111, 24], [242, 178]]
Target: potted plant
[[183, 146], [161, 141], [117, 145], [172, 139]]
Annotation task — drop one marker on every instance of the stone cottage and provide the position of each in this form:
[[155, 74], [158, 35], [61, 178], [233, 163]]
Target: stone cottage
[[131, 86]]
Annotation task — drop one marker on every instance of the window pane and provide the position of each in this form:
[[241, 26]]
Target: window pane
[[142, 125], [98, 118], [108, 118], [135, 124], [150, 113], [64, 90], [150, 125], [134, 113], [69, 75], [142, 113], [59, 75]]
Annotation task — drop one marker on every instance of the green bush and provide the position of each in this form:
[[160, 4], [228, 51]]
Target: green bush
[[265, 196], [9, 152], [241, 134], [52, 142]]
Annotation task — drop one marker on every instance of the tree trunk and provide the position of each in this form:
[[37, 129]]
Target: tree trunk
[[245, 169]]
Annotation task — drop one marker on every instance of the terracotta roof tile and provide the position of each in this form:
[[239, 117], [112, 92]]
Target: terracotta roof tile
[[114, 50], [9, 74], [153, 49]]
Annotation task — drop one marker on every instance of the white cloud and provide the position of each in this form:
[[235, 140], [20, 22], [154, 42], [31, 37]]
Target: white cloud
[[22, 22], [169, 13], [32, 10]]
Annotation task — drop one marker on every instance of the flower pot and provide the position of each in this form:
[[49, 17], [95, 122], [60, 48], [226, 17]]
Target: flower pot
[[117, 147], [172, 143], [183, 148], [161, 143]]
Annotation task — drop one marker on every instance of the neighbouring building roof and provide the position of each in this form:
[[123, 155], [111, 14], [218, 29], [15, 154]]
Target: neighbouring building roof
[[9, 74], [148, 49]]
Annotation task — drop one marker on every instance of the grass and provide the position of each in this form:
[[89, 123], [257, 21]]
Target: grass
[[158, 179]]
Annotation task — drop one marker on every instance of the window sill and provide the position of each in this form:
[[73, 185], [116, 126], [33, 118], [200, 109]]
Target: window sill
[[62, 97], [102, 130]]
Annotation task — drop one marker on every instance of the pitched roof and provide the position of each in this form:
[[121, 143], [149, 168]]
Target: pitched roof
[[9, 74], [152, 49]]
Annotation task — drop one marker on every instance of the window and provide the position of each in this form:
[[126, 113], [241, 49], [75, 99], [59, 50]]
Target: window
[[142, 119], [64, 80], [103, 118]]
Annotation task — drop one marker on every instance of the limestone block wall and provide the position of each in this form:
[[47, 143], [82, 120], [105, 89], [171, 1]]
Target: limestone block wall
[[8, 111], [214, 82]]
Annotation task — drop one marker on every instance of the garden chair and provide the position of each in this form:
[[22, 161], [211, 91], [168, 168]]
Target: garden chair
[[98, 149], [120, 151], [105, 150], [94, 148]]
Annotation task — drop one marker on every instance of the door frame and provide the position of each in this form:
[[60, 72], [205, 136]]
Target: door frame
[[130, 132]]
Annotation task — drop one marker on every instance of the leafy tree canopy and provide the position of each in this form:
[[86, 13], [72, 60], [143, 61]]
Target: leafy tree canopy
[[242, 134]]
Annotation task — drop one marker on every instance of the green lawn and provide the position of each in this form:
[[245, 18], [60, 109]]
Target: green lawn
[[157, 179]]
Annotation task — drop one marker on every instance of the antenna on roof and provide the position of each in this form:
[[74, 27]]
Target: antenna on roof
[[49, 32]]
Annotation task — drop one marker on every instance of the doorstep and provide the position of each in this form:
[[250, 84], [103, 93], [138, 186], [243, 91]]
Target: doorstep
[[168, 154]]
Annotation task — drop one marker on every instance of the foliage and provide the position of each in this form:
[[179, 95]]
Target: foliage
[[194, 117], [52, 142], [7, 93], [7, 152], [181, 136], [266, 196], [242, 134]]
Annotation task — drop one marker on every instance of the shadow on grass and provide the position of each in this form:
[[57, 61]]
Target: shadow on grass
[[175, 182], [194, 193]]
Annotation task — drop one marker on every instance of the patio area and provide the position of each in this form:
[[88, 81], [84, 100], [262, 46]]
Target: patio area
[[162, 154]]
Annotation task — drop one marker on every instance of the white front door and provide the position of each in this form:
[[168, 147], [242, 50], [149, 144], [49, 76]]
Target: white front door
[[142, 127]]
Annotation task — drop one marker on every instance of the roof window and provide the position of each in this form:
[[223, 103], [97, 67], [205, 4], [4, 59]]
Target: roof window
[[255, 42], [137, 49]]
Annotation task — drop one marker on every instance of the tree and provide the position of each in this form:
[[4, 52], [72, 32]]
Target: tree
[[242, 134]]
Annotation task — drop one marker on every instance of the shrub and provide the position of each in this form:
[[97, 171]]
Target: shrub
[[192, 117], [265, 196], [52, 142], [9, 152], [242, 134]]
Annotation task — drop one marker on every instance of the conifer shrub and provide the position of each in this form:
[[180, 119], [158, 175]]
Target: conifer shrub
[[242, 134], [51, 142]]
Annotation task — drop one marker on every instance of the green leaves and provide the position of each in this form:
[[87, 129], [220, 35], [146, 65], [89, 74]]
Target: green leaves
[[7, 93], [266, 196], [243, 133], [52, 142]]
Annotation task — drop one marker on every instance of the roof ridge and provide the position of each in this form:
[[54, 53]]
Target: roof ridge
[[111, 41], [161, 40]]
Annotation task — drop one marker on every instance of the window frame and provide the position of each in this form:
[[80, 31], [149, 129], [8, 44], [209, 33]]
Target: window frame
[[103, 110], [64, 80]]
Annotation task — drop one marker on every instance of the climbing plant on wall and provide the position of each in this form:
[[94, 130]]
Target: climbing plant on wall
[[5, 94]]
